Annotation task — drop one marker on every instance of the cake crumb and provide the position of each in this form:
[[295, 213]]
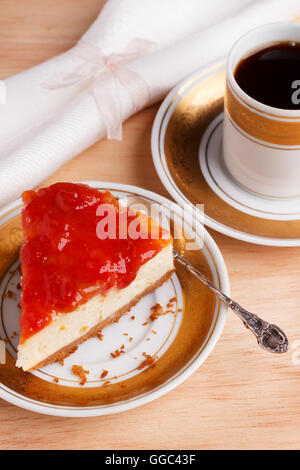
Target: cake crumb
[[104, 374], [117, 352], [19, 286], [100, 336], [145, 323], [106, 383], [125, 334], [133, 317], [148, 361], [157, 311], [83, 329], [171, 301], [123, 385], [55, 380], [130, 339], [81, 373], [9, 294]]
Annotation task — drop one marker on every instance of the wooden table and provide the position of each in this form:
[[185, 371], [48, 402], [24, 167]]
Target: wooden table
[[241, 397]]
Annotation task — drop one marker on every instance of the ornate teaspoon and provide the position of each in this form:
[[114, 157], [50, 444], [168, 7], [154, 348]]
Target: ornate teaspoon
[[269, 337]]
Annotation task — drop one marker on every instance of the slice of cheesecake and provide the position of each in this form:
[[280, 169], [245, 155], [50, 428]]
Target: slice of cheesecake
[[86, 260]]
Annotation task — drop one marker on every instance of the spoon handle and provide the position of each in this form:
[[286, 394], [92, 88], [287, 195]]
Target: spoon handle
[[269, 337]]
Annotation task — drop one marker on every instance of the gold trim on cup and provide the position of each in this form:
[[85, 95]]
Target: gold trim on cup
[[267, 129]]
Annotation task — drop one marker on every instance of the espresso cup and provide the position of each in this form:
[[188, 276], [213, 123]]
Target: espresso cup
[[261, 144]]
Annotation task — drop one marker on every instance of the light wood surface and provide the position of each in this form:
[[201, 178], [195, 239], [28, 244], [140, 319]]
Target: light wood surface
[[241, 397]]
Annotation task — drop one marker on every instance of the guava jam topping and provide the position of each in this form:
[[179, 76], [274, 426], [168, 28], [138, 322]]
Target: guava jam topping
[[78, 242]]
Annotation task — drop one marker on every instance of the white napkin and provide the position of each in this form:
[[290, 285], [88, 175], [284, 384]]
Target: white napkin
[[29, 105], [42, 129]]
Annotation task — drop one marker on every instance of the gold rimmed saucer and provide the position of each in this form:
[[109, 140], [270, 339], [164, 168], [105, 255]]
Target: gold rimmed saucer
[[177, 132], [180, 341]]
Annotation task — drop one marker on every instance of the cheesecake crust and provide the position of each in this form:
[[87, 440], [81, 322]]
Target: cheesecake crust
[[70, 348]]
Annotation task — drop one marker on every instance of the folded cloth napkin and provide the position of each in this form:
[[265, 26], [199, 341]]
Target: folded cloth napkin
[[29, 104], [50, 114]]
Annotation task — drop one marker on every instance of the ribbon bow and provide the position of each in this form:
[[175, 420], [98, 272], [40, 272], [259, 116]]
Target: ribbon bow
[[107, 73]]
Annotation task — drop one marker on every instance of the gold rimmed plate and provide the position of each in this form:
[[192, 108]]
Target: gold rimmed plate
[[178, 341], [179, 129]]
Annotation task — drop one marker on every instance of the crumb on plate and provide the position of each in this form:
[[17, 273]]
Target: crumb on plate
[[81, 373], [147, 362], [104, 374]]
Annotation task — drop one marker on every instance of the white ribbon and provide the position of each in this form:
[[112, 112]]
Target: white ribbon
[[106, 71]]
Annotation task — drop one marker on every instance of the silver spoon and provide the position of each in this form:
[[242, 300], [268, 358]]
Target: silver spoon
[[269, 337]]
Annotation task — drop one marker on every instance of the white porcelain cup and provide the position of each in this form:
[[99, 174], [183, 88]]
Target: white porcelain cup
[[261, 144]]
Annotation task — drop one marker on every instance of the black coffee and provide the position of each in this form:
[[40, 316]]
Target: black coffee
[[271, 75]]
